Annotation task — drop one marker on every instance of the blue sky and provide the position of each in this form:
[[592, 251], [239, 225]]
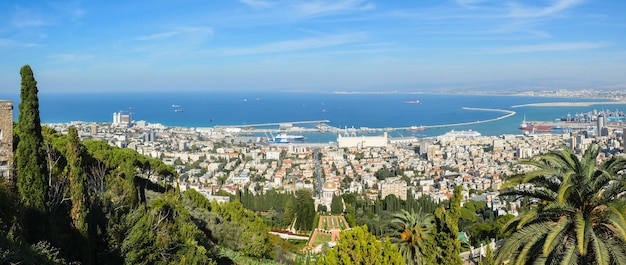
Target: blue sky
[[338, 45]]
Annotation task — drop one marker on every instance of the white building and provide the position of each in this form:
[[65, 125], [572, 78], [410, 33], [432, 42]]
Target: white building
[[362, 141]]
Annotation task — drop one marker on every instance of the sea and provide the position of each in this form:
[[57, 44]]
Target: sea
[[342, 110]]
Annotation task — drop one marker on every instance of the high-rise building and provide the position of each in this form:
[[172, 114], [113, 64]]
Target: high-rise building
[[116, 117], [122, 119], [6, 138], [600, 124]]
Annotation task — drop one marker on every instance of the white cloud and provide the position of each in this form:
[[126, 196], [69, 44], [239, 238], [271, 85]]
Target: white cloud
[[321, 7], [159, 36], [70, 57], [24, 17], [551, 47], [257, 3], [6, 43], [296, 45], [12, 43], [558, 6], [204, 31], [469, 3]]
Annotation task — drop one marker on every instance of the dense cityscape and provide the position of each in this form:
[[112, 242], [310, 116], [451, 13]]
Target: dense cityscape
[[224, 163], [302, 202], [339, 132]]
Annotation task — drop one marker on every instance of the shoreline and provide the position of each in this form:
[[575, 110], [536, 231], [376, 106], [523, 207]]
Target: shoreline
[[570, 104]]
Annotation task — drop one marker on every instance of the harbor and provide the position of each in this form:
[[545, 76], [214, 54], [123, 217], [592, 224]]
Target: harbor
[[322, 126], [296, 131]]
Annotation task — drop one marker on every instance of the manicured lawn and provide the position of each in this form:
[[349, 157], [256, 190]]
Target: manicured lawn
[[321, 238]]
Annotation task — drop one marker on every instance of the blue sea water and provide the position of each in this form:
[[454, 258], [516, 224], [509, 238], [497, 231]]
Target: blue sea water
[[207, 109]]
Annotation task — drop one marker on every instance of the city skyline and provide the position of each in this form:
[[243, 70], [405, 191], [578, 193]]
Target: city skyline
[[313, 45]]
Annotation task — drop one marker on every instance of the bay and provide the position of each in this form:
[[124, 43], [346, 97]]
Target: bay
[[208, 109]]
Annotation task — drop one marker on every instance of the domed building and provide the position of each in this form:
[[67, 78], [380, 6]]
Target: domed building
[[326, 197]]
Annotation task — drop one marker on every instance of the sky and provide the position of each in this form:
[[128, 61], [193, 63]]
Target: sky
[[314, 45]]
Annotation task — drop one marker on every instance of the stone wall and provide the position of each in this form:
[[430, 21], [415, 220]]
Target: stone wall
[[6, 138]]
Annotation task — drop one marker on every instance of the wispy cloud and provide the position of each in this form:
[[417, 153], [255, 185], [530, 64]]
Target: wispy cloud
[[66, 58], [321, 7], [469, 3], [70, 10], [25, 17], [551, 47], [257, 3], [518, 10], [158, 36], [205, 31], [296, 45], [13, 43]]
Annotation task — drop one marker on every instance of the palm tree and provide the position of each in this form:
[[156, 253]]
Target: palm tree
[[411, 232], [576, 211]]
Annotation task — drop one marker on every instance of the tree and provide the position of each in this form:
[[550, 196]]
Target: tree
[[576, 210], [489, 258], [288, 213], [164, 234], [446, 235], [336, 205], [358, 246], [304, 209], [78, 181], [32, 176], [411, 233]]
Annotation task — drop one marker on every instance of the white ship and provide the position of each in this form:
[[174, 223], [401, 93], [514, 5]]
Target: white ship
[[462, 134], [286, 138]]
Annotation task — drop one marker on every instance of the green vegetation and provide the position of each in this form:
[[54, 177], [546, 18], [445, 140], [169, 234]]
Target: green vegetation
[[30, 161], [88, 202], [322, 238], [575, 212], [336, 205], [446, 232], [412, 233], [78, 182], [305, 210], [359, 246]]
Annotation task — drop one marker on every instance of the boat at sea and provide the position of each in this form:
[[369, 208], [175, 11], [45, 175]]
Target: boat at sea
[[416, 128], [462, 134], [175, 106], [534, 126], [412, 102], [178, 110], [287, 138]]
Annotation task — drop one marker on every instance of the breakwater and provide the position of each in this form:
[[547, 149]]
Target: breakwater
[[322, 125]]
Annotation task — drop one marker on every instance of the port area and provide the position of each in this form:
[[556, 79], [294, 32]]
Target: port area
[[322, 125], [561, 125]]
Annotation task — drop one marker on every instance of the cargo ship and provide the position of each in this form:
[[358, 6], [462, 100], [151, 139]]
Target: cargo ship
[[412, 102], [526, 126]]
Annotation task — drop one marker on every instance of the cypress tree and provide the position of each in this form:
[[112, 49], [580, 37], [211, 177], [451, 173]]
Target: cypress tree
[[32, 173], [78, 181], [304, 209], [336, 205], [446, 235]]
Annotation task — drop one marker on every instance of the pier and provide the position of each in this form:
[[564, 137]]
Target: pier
[[322, 126]]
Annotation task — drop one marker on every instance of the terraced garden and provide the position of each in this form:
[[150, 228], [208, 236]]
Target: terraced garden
[[327, 231]]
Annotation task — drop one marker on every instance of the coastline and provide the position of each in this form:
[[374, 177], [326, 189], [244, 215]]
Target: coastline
[[570, 104]]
